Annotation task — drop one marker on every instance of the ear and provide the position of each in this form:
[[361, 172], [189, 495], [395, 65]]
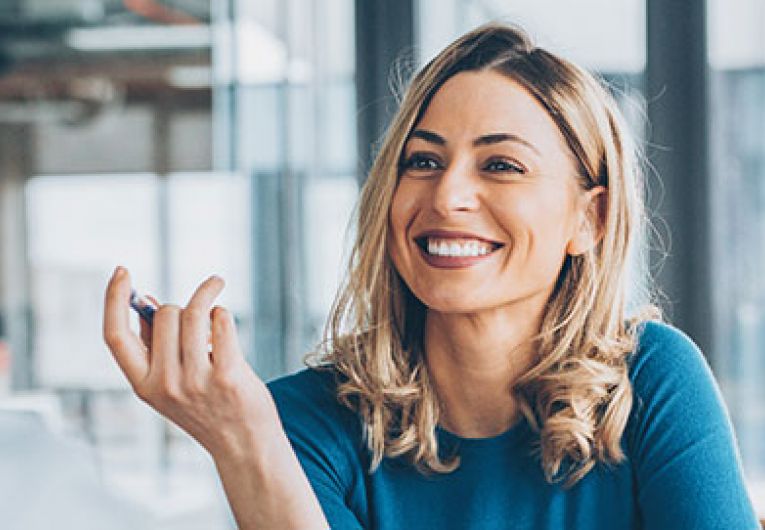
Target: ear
[[591, 220]]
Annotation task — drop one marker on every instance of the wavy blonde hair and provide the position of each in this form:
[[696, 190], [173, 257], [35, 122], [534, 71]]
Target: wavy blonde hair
[[577, 394]]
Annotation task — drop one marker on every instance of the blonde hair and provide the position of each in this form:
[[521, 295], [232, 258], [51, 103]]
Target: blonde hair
[[577, 395]]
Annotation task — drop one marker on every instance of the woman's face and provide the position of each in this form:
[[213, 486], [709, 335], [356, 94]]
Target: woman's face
[[487, 204]]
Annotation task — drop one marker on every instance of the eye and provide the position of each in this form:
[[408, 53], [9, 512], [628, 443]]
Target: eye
[[420, 162], [501, 165]]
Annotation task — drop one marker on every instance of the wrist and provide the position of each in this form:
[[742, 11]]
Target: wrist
[[251, 449], [268, 469], [254, 443]]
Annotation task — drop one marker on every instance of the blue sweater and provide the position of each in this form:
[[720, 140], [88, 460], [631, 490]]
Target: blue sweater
[[682, 469]]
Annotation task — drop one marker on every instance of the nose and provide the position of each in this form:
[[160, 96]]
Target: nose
[[456, 190]]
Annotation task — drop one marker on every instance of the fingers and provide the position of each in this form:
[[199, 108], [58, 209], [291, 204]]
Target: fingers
[[175, 349], [165, 342], [225, 342], [126, 347], [195, 327], [145, 332], [153, 300]]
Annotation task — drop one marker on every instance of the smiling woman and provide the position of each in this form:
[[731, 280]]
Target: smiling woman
[[479, 368], [501, 150], [483, 325]]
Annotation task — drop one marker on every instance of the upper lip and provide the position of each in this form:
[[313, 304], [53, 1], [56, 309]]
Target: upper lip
[[452, 234]]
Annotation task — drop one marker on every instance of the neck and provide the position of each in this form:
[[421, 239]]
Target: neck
[[474, 360]]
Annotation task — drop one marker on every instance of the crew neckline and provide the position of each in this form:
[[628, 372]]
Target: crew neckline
[[514, 434]]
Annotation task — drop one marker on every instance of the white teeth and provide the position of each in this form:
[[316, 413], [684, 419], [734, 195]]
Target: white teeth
[[470, 248], [432, 247]]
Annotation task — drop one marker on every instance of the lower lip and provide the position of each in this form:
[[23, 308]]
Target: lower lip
[[453, 262]]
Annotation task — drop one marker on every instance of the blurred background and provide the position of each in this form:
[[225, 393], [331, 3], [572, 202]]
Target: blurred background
[[183, 138]]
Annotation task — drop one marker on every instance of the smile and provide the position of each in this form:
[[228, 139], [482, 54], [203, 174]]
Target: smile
[[455, 252]]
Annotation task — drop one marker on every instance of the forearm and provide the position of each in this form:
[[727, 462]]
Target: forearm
[[267, 488]]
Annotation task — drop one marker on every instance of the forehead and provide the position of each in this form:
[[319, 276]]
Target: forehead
[[471, 104]]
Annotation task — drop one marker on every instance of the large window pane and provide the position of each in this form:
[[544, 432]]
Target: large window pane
[[559, 26], [79, 228], [209, 231], [737, 136], [290, 121]]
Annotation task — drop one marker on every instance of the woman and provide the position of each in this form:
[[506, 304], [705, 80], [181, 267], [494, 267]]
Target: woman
[[479, 370]]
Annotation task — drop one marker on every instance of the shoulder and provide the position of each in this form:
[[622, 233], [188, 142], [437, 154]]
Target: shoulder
[[680, 439], [304, 386], [310, 395], [674, 389], [311, 412], [664, 353], [668, 368], [325, 434], [327, 439]]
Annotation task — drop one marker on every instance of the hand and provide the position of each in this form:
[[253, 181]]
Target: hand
[[210, 392]]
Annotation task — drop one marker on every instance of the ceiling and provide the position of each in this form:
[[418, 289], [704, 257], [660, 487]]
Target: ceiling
[[63, 50]]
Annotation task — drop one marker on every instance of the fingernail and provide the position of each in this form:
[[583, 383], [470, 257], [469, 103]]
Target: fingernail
[[118, 271], [221, 315]]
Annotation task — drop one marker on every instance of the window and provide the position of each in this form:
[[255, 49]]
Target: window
[[290, 121], [737, 137]]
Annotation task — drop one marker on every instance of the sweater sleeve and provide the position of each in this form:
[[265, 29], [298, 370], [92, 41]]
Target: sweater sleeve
[[683, 452], [319, 433]]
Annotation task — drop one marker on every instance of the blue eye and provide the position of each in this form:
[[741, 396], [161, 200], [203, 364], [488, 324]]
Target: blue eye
[[420, 162], [427, 163], [500, 166]]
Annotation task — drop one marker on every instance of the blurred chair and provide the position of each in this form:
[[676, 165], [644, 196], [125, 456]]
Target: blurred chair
[[48, 481]]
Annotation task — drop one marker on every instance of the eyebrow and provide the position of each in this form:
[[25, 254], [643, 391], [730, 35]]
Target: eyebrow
[[487, 139]]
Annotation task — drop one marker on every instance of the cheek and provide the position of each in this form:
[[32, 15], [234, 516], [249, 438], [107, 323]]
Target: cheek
[[538, 221], [523, 214], [401, 212]]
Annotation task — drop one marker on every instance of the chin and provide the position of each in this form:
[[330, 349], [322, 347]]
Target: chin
[[452, 304]]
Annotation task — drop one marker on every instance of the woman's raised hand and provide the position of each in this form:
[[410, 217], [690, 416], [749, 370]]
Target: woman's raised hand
[[188, 365], [209, 391]]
